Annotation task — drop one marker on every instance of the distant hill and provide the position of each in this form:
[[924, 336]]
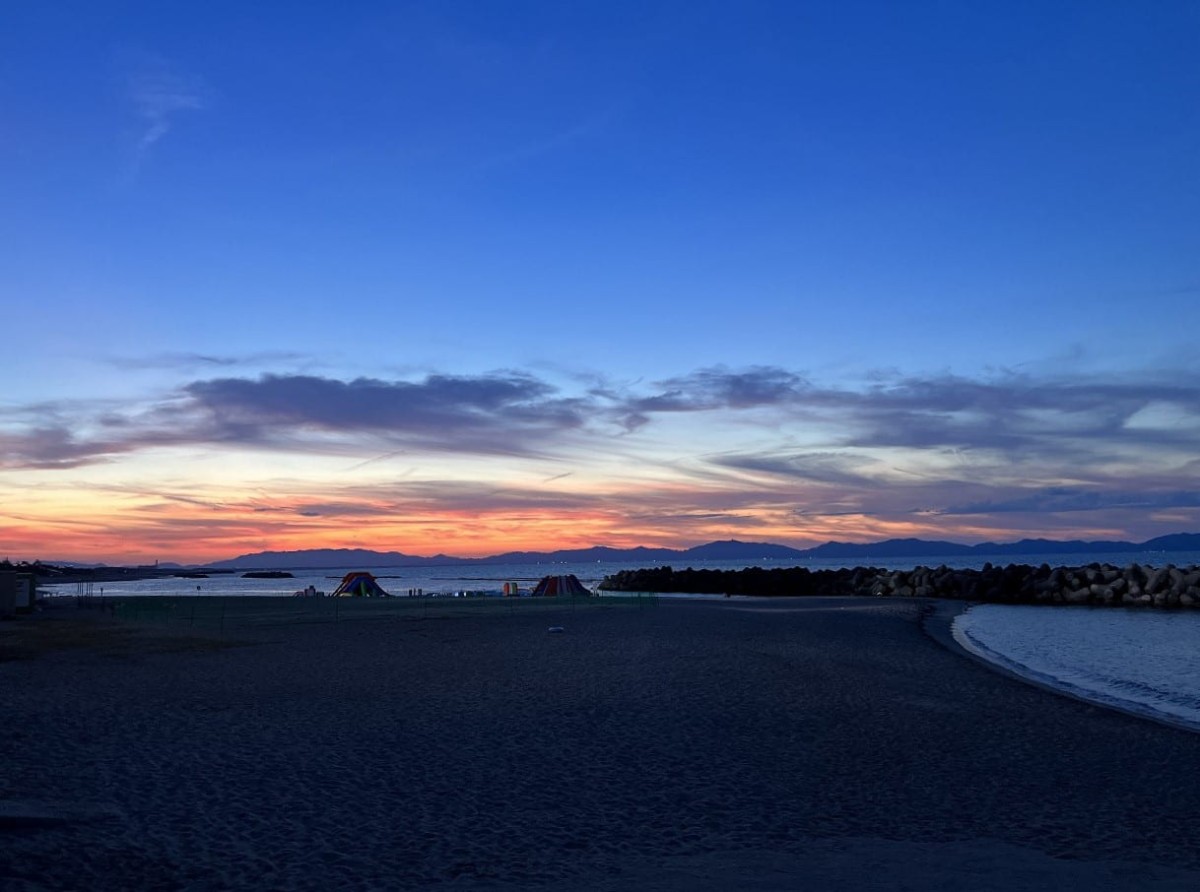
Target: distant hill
[[1174, 542], [733, 550], [892, 548], [585, 555], [888, 548], [728, 550], [322, 558], [1051, 546]]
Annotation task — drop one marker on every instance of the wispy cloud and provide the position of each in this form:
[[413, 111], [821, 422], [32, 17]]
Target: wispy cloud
[[548, 144], [820, 467], [54, 447], [1072, 499], [506, 413], [489, 414], [720, 388], [158, 93], [186, 362], [1009, 412], [899, 449]]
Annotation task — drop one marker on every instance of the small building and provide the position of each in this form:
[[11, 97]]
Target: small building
[[18, 592]]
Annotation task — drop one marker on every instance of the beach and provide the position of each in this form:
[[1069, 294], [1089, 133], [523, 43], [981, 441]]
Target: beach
[[738, 743]]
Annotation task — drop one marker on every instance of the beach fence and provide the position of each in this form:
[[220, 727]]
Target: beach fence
[[232, 612]]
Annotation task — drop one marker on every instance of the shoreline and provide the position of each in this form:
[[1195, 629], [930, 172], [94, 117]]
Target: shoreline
[[1139, 582], [939, 625]]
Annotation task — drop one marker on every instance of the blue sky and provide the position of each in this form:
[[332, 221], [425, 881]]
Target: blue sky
[[713, 269]]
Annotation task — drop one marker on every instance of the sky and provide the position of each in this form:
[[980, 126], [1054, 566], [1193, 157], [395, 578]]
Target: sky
[[470, 277]]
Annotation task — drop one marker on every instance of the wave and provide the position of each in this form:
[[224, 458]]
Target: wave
[[1141, 662]]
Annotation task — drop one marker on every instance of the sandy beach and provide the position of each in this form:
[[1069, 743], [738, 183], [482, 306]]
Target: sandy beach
[[749, 744]]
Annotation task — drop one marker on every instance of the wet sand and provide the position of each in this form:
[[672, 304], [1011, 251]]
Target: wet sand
[[746, 744]]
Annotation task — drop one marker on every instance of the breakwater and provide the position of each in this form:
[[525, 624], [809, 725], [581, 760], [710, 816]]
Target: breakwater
[[1136, 585]]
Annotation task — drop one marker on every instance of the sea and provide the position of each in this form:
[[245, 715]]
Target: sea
[[1143, 661]]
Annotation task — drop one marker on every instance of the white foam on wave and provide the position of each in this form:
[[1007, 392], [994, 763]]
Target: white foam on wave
[[1140, 661]]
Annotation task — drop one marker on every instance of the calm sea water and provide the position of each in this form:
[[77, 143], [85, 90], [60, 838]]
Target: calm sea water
[[483, 578], [1145, 661], [490, 578]]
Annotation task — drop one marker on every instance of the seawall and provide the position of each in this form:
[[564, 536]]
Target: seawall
[[1136, 585]]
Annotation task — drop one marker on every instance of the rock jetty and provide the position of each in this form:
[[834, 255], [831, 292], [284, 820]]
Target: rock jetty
[[1137, 585]]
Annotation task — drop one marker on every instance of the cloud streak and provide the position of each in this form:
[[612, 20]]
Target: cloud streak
[[158, 94], [178, 361], [498, 414], [894, 456], [517, 412], [1010, 413], [485, 414]]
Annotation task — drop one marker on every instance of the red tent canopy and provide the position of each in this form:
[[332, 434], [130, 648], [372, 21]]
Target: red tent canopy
[[560, 585]]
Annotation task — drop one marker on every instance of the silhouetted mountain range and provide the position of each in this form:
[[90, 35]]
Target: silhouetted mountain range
[[729, 550]]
